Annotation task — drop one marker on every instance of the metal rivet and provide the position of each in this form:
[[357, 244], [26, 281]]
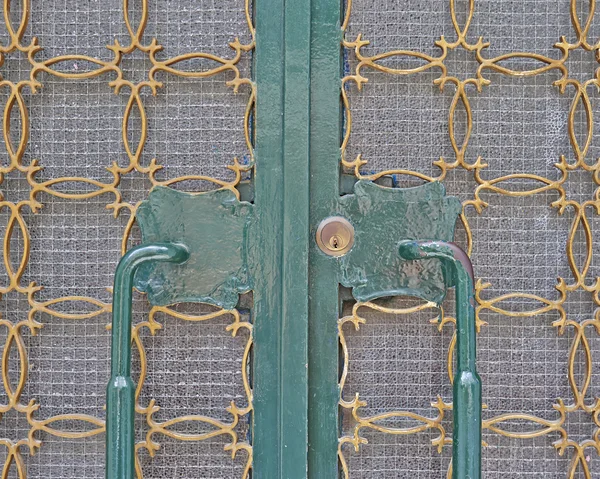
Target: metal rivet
[[335, 236]]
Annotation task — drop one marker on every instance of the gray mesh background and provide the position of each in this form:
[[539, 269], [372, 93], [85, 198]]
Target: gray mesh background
[[195, 127], [519, 126]]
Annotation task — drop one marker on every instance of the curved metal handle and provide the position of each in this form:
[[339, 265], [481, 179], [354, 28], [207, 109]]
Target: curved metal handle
[[466, 440], [120, 394]]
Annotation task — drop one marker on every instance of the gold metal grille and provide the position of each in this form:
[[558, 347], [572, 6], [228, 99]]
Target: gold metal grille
[[518, 308], [31, 316]]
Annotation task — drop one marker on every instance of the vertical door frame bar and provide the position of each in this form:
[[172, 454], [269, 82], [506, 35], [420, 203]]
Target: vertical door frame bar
[[282, 74], [326, 121]]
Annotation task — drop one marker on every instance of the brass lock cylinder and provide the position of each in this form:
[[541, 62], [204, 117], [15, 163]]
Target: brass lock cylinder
[[335, 236]]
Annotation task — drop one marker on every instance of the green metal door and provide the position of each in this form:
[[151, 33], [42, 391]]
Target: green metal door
[[304, 230], [272, 176]]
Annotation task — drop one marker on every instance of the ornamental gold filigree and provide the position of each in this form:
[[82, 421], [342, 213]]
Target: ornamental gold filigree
[[515, 64], [17, 243]]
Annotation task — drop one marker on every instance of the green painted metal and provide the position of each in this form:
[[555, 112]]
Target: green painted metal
[[216, 229], [382, 216], [180, 260], [282, 207], [325, 125], [466, 441], [296, 240], [120, 394]]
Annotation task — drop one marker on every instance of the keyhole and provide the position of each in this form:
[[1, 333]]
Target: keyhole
[[335, 242]]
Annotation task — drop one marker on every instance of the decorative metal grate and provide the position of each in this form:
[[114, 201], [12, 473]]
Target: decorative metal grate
[[497, 101], [88, 130]]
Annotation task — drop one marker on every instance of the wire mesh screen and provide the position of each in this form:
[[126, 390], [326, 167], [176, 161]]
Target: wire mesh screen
[[101, 103], [497, 101]]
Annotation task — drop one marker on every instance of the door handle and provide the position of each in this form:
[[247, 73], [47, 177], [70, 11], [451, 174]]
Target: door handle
[[178, 261], [466, 402], [120, 394]]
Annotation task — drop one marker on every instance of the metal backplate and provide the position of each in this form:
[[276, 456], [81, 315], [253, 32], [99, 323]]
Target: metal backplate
[[384, 216], [215, 228]]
